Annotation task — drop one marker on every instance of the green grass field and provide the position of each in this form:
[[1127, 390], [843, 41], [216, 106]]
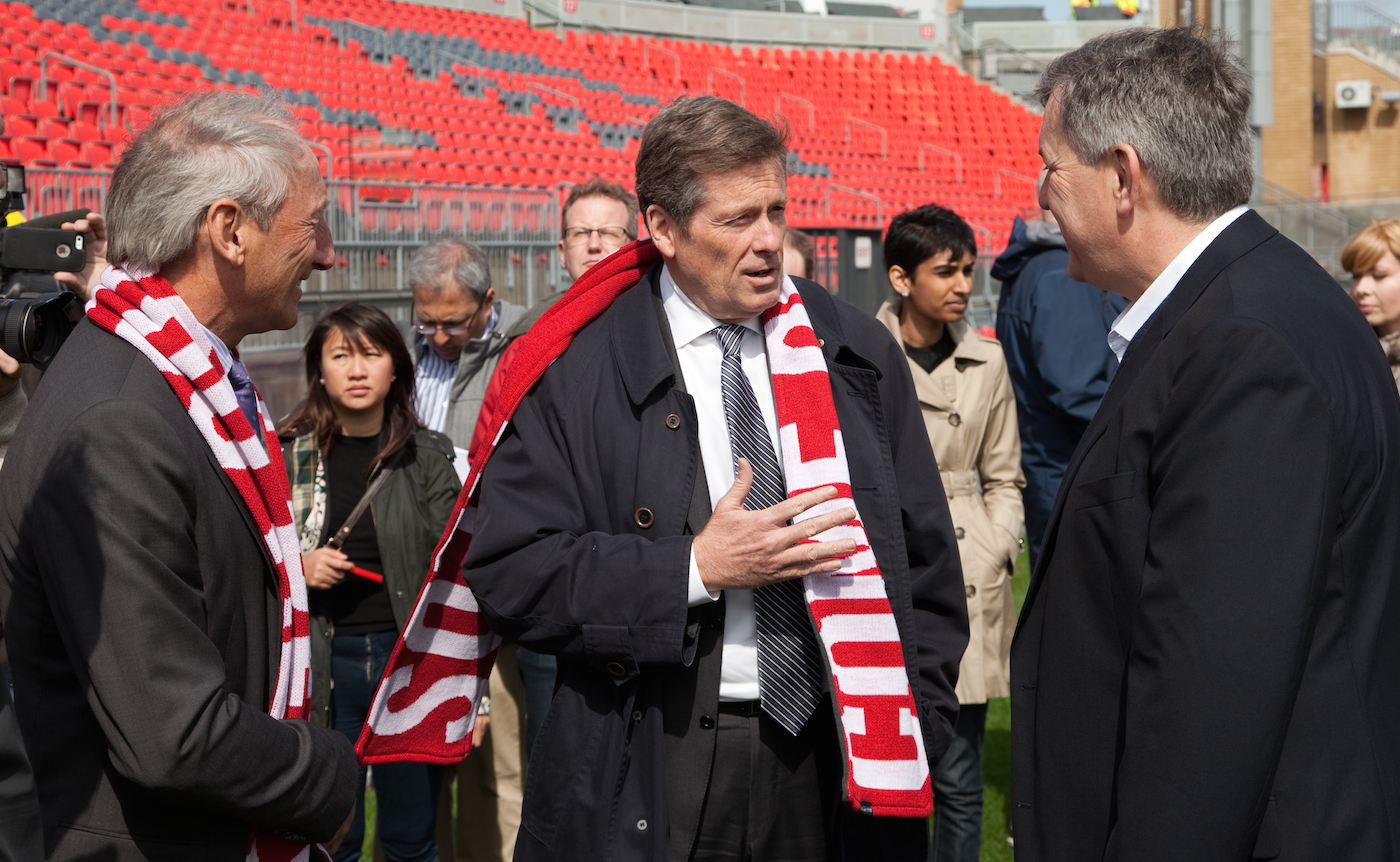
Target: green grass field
[[996, 767], [996, 763]]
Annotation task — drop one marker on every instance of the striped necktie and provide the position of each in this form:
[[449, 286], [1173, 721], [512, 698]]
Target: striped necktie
[[790, 675]]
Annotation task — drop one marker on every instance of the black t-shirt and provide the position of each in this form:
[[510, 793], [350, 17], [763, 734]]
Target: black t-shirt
[[929, 358], [355, 605]]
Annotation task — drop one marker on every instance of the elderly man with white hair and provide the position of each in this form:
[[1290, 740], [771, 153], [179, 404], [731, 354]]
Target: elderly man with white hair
[[153, 599]]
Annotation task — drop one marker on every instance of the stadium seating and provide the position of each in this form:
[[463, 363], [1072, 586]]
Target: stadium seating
[[441, 96]]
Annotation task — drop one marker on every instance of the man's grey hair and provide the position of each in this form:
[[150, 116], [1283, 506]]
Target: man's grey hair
[[465, 262], [207, 147], [1179, 98]]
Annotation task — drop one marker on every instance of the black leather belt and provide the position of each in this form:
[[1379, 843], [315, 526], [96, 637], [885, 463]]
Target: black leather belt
[[746, 708]]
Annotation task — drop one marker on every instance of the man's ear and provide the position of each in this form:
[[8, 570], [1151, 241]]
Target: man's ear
[[1129, 179], [226, 225], [663, 229], [489, 298]]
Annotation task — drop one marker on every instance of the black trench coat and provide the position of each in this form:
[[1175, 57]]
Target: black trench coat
[[582, 550]]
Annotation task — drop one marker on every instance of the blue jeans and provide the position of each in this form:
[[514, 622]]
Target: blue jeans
[[957, 790], [407, 793], [537, 670]]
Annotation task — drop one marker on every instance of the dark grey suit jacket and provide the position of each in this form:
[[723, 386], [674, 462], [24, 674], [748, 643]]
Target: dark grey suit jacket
[[1205, 667], [143, 624]]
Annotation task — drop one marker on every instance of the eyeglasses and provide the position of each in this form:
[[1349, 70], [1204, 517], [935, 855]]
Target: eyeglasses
[[453, 330], [614, 236]]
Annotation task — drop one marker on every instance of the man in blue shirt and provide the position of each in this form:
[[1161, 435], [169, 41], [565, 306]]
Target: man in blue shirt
[[1054, 331]]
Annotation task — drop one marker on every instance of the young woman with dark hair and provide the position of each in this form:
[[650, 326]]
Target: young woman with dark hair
[[356, 436], [970, 413]]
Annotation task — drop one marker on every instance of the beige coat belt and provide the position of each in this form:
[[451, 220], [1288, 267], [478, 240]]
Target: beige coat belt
[[959, 483]]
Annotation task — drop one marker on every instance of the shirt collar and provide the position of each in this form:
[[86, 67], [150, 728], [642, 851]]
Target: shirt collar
[[687, 321], [220, 349], [1135, 316], [490, 322]]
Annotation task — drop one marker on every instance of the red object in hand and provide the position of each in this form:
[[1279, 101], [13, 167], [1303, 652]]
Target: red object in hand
[[367, 575]]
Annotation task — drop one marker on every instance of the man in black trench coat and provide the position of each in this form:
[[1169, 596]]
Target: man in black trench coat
[[609, 535], [1206, 664]]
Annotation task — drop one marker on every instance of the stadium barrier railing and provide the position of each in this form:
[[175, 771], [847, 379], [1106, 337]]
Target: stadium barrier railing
[[376, 227]]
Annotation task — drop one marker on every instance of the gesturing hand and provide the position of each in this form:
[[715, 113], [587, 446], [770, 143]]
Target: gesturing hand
[[325, 567], [739, 549]]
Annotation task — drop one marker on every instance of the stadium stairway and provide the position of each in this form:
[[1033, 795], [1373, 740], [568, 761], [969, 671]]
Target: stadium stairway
[[441, 96]]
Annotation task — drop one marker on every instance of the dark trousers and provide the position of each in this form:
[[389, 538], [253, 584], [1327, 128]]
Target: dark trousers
[[406, 793], [775, 797], [957, 790], [537, 671]]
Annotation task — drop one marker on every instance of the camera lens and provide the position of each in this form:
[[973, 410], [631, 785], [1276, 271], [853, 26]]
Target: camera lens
[[32, 329]]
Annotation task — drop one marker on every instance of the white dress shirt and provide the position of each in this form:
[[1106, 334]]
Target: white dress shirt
[[220, 349], [1127, 324], [700, 355]]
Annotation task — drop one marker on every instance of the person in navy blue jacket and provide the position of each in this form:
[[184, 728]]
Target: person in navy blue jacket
[[1054, 332]]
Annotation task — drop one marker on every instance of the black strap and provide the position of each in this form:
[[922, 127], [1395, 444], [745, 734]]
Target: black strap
[[334, 542]]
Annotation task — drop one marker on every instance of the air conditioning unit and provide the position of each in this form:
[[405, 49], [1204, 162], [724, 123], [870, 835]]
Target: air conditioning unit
[[1353, 94]]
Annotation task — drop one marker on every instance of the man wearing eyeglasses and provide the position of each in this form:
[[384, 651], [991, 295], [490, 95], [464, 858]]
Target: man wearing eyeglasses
[[599, 218], [460, 331], [459, 334]]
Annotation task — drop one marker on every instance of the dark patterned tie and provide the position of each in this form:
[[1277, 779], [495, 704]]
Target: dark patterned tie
[[243, 391], [790, 675]]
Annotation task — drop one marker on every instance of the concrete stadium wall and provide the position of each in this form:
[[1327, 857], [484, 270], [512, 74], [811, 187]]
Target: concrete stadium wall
[[929, 35]]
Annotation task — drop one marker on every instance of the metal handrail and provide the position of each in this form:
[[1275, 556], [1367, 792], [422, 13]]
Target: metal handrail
[[532, 85], [646, 59], [330, 159], [710, 87], [54, 55], [343, 25], [956, 158], [464, 62], [811, 111], [884, 135], [977, 228], [1035, 184], [879, 204]]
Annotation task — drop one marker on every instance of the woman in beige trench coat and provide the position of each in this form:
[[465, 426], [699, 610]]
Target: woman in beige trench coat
[[970, 412]]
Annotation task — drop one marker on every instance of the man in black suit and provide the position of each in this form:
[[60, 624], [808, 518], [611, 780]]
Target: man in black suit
[[142, 610], [1205, 667], [611, 533]]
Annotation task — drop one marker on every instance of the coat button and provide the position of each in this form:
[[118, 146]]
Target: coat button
[[641, 826], [971, 591], [960, 533], [821, 342], [645, 518], [616, 669], [717, 624], [954, 419], [706, 722], [673, 421], [636, 715]]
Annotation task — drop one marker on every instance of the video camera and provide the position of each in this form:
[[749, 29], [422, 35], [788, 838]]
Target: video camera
[[36, 312]]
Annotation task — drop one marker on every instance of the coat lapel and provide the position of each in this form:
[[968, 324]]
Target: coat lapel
[[1247, 232]]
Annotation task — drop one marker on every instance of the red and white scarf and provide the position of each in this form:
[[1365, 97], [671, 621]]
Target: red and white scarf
[[426, 705], [145, 311]]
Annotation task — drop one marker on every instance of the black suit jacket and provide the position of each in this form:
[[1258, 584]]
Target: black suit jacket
[[561, 562], [1206, 664], [143, 624]]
